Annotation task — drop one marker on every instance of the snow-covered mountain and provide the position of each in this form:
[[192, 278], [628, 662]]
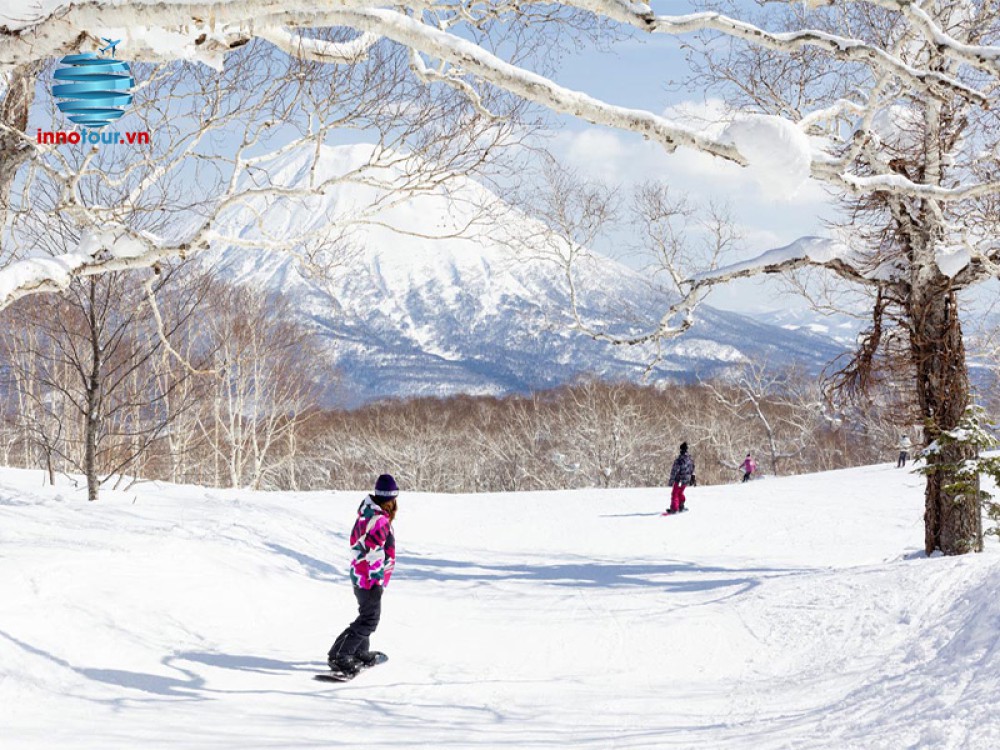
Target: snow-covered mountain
[[420, 311]]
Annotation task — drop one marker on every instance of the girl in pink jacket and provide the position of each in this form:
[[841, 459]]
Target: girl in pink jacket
[[374, 547]]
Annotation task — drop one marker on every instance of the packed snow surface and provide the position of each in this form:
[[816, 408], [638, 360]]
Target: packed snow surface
[[785, 613]]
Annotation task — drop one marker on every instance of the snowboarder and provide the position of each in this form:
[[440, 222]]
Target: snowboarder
[[374, 547], [904, 450], [749, 466], [681, 475]]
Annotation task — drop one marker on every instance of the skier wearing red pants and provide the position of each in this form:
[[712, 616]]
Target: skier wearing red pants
[[681, 475]]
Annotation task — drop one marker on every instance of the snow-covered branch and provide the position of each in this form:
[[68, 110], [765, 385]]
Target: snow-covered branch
[[158, 31], [898, 184], [475, 60], [320, 50], [806, 251], [840, 47], [101, 254], [172, 28], [983, 57]]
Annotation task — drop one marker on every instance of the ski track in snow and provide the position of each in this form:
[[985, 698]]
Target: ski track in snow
[[786, 613]]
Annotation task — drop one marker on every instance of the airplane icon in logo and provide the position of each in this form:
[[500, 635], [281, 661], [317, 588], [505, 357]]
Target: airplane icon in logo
[[112, 44]]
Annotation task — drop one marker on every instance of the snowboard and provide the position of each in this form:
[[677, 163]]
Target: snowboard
[[682, 510], [333, 676]]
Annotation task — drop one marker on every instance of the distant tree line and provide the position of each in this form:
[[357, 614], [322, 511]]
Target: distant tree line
[[184, 379], [591, 434]]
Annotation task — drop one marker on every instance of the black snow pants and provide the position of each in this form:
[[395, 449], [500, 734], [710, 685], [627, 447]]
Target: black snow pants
[[354, 640]]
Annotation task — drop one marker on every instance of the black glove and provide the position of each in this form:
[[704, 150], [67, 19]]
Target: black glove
[[694, 481]]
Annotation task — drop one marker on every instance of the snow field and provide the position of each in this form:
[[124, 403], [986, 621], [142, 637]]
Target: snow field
[[785, 613]]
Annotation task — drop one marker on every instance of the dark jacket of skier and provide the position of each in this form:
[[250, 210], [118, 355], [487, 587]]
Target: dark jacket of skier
[[682, 470]]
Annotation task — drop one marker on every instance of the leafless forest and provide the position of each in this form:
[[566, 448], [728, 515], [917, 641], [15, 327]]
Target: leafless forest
[[202, 383]]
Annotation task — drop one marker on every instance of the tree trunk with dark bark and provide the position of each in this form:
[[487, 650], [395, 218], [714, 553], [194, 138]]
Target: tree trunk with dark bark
[[952, 519]]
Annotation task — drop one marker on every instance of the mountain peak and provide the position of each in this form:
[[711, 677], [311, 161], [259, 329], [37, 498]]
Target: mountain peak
[[434, 301]]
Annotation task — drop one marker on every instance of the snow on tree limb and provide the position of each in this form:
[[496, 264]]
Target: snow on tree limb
[[232, 24], [26, 277], [231, 28], [897, 184], [192, 29], [475, 60], [319, 50], [805, 251], [984, 57], [841, 47]]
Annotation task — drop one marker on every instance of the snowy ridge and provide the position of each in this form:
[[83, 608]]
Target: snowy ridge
[[428, 313], [786, 613]]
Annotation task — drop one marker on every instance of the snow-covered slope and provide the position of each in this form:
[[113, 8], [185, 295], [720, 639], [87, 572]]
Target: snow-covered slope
[[426, 313], [787, 613]]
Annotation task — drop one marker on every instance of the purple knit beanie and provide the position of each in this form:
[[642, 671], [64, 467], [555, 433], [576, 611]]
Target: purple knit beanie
[[385, 487]]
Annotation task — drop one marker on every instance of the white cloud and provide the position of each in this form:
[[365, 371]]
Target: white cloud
[[597, 153]]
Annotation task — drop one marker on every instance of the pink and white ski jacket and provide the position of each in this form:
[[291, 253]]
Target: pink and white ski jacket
[[374, 547]]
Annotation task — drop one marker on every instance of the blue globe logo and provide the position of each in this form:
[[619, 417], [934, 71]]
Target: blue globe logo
[[95, 91]]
